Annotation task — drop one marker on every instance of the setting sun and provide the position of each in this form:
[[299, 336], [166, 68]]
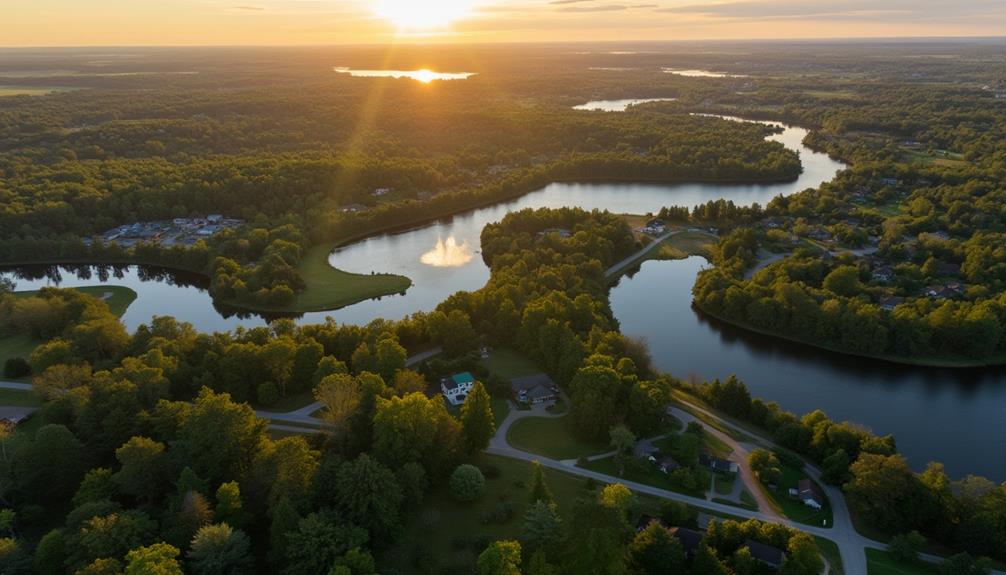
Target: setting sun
[[412, 15]]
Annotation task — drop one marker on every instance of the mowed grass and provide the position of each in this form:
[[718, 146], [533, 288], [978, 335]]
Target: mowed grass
[[455, 533], [17, 345], [686, 244], [508, 364], [830, 552], [327, 288], [882, 563], [647, 474], [794, 508], [16, 398], [28, 91], [551, 437]]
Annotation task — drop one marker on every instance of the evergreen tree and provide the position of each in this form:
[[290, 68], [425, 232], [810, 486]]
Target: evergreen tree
[[477, 422], [539, 489]]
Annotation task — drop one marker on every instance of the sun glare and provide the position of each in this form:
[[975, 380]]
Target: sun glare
[[415, 15]]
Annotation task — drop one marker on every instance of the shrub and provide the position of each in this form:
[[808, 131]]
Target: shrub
[[490, 471], [16, 367], [467, 483], [268, 394]]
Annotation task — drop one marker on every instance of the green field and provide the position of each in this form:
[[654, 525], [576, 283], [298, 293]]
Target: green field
[[551, 437], [881, 563], [327, 288], [508, 364], [28, 91], [17, 345], [453, 532], [15, 398]]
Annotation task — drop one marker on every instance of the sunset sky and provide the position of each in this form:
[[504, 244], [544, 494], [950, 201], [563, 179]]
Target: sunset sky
[[247, 22]]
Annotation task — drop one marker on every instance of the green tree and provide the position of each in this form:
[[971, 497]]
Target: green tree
[[802, 556], [113, 535], [467, 483], [220, 550], [618, 497], [886, 492], [707, 562], [477, 422], [654, 551], [965, 564], [285, 521], [318, 543], [539, 489], [368, 494], [596, 400], [50, 553], [843, 281], [51, 467], [906, 546], [500, 558], [221, 438], [156, 559], [141, 473], [541, 527], [623, 442], [389, 356], [229, 508], [765, 465]]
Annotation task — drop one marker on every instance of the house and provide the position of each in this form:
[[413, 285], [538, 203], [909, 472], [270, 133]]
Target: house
[[381, 192], [717, 464], [214, 218], [667, 464], [689, 538], [655, 226], [807, 493], [889, 181], [352, 208], [883, 274], [561, 232], [534, 389], [765, 554], [457, 387], [889, 303]]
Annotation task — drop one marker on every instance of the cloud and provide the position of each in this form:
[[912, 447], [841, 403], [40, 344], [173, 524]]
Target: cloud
[[915, 10]]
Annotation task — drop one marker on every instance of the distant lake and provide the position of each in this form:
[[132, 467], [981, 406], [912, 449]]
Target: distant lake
[[424, 76], [701, 73], [618, 105]]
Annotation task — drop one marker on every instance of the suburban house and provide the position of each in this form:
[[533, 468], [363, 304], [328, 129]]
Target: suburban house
[[808, 494], [561, 232], [534, 389], [690, 539], [655, 227], [717, 464], [667, 464], [889, 303], [765, 554], [883, 274], [457, 387]]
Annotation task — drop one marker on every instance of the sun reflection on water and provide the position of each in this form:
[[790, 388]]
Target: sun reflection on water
[[448, 254]]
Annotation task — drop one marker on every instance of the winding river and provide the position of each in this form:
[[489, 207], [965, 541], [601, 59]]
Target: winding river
[[952, 416]]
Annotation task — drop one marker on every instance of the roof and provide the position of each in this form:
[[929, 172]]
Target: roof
[[530, 382], [689, 538], [765, 553], [716, 463], [645, 520], [457, 380], [539, 392]]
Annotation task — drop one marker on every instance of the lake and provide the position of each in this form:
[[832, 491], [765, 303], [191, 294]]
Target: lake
[[701, 73], [424, 76], [617, 105], [951, 415]]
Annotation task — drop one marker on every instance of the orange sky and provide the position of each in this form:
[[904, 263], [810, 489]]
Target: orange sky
[[274, 22]]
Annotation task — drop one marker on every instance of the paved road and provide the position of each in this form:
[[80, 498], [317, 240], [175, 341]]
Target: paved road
[[15, 386], [617, 268], [740, 454]]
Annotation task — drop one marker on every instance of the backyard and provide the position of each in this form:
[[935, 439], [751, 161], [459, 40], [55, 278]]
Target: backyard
[[552, 437]]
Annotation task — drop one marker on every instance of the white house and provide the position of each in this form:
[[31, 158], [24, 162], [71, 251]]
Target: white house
[[808, 494], [457, 387]]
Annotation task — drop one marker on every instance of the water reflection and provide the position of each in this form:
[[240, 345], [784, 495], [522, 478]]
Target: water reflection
[[448, 254], [701, 73], [618, 105], [425, 76]]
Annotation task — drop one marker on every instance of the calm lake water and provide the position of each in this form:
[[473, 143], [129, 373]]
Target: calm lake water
[[957, 417], [701, 73], [617, 105]]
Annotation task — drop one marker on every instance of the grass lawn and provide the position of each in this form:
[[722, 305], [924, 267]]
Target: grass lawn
[[508, 364], [15, 398], [748, 499], [29, 90], [881, 563], [829, 550], [551, 437], [794, 508], [724, 483], [646, 474], [327, 288], [685, 244], [17, 345], [455, 533], [500, 407], [735, 504]]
